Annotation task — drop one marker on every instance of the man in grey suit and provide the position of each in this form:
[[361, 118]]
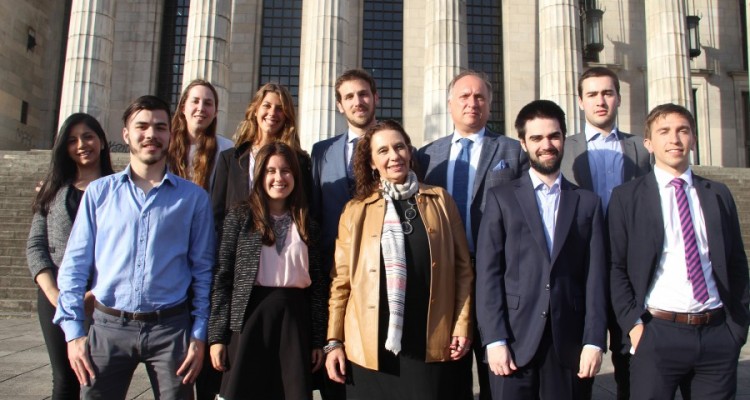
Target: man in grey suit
[[600, 159], [333, 178], [467, 163]]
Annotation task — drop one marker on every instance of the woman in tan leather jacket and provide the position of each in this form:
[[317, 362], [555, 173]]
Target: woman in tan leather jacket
[[399, 309]]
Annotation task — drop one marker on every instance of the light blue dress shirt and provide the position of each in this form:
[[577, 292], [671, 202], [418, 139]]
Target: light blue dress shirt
[[548, 202], [142, 251], [605, 162]]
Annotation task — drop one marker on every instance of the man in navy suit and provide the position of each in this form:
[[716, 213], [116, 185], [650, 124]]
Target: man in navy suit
[[679, 273], [541, 272], [467, 163], [333, 178], [599, 159]]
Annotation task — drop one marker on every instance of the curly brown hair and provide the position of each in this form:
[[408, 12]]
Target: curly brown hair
[[367, 179]]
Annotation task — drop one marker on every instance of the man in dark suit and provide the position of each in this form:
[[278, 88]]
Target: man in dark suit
[[679, 274], [600, 159], [467, 164], [541, 272], [333, 177]]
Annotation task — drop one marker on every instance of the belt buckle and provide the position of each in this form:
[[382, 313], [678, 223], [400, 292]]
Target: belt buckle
[[137, 316], [698, 319]]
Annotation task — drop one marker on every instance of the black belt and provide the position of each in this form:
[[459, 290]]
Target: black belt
[[152, 316], [703, 318]]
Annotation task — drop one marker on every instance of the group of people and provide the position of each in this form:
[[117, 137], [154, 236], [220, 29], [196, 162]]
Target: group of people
[[374, 270]]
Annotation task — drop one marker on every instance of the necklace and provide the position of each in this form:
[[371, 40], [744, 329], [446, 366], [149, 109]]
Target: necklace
[[409, 214]]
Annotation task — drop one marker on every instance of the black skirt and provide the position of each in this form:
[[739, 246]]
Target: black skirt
[[271, 357]]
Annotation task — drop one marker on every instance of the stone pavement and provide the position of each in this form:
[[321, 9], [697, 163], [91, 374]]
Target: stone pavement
[[25, 373]]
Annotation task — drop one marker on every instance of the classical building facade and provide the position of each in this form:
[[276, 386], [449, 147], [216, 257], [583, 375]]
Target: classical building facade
[[63, 56]]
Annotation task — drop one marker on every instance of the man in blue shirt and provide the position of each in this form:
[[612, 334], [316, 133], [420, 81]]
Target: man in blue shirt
[[144, 242], [600, 159]]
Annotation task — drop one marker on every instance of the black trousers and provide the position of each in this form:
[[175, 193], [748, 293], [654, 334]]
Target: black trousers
[[64, 381], [670, 353], [545, 377]]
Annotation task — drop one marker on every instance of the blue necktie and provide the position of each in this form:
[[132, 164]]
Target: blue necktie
[[461, 177]]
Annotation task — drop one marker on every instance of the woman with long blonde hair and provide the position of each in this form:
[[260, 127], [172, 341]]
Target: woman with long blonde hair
[[270, 117], [195, 146]]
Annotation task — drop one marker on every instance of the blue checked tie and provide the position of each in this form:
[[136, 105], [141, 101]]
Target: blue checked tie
[[692, 258], [461, 177]]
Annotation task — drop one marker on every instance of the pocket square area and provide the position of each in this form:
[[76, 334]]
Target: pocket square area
[[501, 165]]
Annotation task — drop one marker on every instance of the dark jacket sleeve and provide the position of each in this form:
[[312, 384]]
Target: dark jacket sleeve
[[223, 281], [219, 190], [318, 288]]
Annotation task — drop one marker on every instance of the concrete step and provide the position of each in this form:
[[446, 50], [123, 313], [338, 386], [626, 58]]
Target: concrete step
[[17, 281], [18, 307], [15, 270], [19, 293]]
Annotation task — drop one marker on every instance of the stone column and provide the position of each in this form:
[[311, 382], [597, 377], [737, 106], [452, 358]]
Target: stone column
[[747, 33], [446, 55], [87, 85], [321, 62], [560, 57], [207, 50], [667, 57]]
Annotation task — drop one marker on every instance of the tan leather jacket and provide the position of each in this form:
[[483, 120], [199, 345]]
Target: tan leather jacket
[[355, 289]]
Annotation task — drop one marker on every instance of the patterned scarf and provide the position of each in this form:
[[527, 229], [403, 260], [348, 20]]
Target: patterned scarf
[[394, 257]]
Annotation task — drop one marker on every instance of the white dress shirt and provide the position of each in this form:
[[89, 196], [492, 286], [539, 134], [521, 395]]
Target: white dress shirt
[[605, 162], [671, 289]]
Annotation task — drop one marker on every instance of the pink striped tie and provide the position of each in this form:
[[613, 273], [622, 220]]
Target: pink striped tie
[[692, 258]]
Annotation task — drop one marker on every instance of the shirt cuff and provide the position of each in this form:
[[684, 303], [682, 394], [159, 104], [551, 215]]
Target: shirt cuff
[[199, 329], [592, 346], [501, 342], [72, 329]]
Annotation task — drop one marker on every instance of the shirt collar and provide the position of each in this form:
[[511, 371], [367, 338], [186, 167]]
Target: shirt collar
[[127, 175], [476, 137], [351, 135], [664, 178], [536, 181], [591, 133]]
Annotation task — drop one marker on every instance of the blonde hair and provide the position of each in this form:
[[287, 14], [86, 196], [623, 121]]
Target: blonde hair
[[247, 131]]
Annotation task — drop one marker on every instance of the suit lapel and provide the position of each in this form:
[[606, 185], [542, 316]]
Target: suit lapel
[[442, 152], [648, 202], [529, 208], [713, 221], [628, 150], [566, 210], [582, 168], [489, 147], [244, 162]]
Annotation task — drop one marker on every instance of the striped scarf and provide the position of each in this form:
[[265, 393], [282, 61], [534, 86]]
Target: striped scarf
[[394, 258]]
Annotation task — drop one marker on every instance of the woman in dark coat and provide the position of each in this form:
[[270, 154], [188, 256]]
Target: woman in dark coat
[[268, 303]]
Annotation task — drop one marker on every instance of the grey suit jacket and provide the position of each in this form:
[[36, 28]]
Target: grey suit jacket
[[48, 236], [575, 163], [502, 160]]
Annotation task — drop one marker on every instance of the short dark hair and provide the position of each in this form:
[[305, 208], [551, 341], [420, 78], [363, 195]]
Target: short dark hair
[[539, 109], [663, 110], [148, 102], [355, 74], [469, 72], [596, 72]]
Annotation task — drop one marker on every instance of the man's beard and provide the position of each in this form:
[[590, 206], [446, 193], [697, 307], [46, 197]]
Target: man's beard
[[546, 169]]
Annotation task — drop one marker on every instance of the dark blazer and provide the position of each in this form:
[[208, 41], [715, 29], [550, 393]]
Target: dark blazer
[[636, 229], [49, 234], [520, 285], [232, 175], [234, 277], [575, 166], [330, 190], [502, 160]]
